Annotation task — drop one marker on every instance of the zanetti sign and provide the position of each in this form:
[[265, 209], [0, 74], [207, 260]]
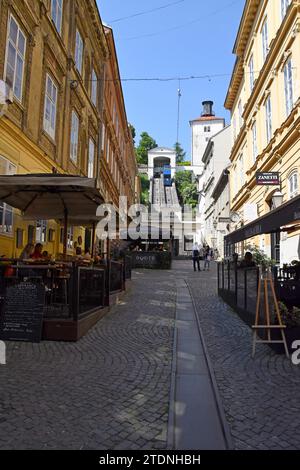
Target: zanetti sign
[[268, 179]]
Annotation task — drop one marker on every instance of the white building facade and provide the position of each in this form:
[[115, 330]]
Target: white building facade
[[203, 128], [221, 223], [215, 160], [159, 157]]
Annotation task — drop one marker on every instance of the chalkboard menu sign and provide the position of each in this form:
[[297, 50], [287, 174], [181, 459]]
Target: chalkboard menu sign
[[22, 313]]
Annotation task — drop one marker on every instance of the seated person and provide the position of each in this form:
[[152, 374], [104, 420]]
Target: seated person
[[38, 252], [87, 255], [248, 261], [27, 252], [46, 255], [78, 252]]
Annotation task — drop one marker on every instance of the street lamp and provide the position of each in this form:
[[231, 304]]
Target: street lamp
[[277, 199]]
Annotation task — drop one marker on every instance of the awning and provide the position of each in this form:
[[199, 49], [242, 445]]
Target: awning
[[47, 196], [274, 221], [52, 196]]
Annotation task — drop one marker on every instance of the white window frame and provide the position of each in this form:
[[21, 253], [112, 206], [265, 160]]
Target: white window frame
[[268, 112], [51, 101], [41, 231], [56, 14], [70, 237], [9, 169], [103, 136], [74, 140], [293, 181], [251, 72], [265, 39], [254, 142], [241, 171], [91, 159], [288, 86], [241, 121], [79, 46], [94, 88], [284, 7], [19, 55]]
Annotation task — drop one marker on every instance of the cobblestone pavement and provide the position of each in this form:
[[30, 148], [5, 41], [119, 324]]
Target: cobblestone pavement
[[260, 396], [109, 391]]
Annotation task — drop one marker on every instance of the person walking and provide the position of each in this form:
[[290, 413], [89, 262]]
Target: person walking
[[207, 258], [196, 257]]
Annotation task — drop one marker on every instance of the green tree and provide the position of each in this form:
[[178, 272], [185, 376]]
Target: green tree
[[180, 153], [145, 187], [133, 132], [146, 143], [190, 195], [186, 188]]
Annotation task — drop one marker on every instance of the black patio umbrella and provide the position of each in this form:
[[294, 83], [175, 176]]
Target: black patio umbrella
[[52, 196]]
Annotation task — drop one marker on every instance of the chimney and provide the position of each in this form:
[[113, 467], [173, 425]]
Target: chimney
[[207, 108]]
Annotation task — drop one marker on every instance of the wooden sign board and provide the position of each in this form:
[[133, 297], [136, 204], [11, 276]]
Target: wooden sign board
[[22, 314]]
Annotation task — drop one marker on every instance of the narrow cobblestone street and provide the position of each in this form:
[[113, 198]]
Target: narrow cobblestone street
[[112, 389]]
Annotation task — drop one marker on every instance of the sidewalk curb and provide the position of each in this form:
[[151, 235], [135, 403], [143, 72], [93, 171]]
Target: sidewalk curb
[[225, 427], [171, 420]]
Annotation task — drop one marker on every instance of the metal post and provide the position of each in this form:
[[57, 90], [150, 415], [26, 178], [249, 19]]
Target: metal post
[[65, 241], [246, 290]]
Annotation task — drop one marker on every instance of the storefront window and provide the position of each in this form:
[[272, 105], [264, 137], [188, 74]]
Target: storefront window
[[6, 211]]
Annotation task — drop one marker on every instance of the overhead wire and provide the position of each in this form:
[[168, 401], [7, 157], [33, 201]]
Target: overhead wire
[[183, 25], [145, 12]]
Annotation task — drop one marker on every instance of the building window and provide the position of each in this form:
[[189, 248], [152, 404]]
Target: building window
[[15, 58], [74, 137], [284, 7], [288, 86], [79, 52], [108, 150], [103, 137], [91, 162], [41, 231], [56, 13], [70, 237], [94, 89], [251, 72], [293, 185], [234, 128], [50, 107], [265, 42], [254, 142], [6, 211], [240, 114], [268, 111], [241, 171], [206, 128]]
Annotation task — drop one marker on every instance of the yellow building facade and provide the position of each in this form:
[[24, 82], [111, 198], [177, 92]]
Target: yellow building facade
[[53, 55], [263, 99]]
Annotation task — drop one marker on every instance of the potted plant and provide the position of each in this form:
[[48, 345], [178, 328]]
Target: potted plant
[[290, 317]]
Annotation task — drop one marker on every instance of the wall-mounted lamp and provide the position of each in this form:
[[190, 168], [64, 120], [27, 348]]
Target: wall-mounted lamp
[[277, 199]]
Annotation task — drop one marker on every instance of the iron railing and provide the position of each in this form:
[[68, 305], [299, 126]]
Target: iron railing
[[71, 292]]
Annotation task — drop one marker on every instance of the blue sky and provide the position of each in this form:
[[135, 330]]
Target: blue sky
[[200, 45]]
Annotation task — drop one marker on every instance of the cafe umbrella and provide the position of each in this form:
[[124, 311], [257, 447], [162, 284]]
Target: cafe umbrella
[[52, 197]]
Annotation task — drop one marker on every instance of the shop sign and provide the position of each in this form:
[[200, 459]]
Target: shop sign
[[268, 179]]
